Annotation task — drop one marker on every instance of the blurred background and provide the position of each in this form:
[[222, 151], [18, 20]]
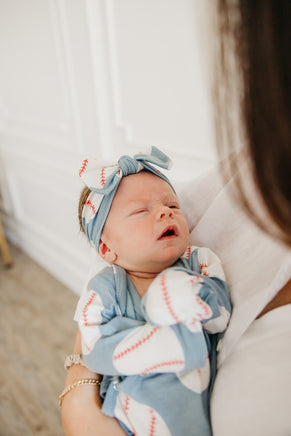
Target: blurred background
[[97, 78], [84, 78]]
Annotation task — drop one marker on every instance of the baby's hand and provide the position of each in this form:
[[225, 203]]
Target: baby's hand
[[173, 298]]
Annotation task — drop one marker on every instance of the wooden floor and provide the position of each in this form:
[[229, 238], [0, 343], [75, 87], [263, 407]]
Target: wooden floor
[[36, 333]]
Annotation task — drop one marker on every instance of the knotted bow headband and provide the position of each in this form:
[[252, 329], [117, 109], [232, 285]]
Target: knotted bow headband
[[103, 182]]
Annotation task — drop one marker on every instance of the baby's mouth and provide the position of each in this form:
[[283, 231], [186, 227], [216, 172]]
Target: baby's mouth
[[169, 232]]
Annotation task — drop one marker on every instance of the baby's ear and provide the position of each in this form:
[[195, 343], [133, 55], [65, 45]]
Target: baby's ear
[[106, 253]]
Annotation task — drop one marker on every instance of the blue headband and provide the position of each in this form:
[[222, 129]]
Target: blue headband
[[104, 181]]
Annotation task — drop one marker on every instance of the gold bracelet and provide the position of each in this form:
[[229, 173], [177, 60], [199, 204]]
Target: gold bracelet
[[86, 381]]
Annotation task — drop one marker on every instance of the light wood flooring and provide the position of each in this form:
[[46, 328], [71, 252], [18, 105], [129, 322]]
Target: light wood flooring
[[36, 333]]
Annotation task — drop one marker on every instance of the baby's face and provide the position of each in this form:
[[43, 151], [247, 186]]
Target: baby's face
[[145, 228]]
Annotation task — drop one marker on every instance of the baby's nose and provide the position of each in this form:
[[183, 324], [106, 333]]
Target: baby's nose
[[165, 212]]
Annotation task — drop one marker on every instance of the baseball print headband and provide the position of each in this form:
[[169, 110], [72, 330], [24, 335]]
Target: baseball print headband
[[103, 181]]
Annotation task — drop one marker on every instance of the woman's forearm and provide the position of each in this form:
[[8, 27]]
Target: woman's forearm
[[81, 407]]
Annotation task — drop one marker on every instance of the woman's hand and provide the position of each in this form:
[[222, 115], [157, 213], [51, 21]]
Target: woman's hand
[[81, 407]]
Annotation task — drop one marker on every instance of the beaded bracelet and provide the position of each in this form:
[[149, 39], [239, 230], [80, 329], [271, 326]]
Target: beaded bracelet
[[74, 359], [86, 381]]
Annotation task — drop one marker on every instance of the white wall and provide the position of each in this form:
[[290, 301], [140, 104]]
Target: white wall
[[93, 77]]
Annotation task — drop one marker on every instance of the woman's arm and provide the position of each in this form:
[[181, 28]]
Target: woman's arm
[[81, 407]]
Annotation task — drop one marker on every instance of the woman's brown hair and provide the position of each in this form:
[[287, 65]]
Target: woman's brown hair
[[257, 32]]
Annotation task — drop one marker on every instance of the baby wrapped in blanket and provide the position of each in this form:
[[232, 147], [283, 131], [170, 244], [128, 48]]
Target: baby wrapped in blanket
[[150, 320]]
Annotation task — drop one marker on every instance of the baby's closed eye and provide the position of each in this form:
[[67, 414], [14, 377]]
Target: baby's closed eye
[[139, 211]]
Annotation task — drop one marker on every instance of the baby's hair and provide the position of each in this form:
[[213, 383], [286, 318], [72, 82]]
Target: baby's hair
[[83, 198]]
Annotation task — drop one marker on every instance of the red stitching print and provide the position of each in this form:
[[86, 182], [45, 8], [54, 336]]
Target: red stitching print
[[126, 405], [166, 298], [137, 344], [85, 311], [102, 176], [188, 252], [91, 206], [204, 307], [83, 167], [126, 409], [161, 364], [195, 279], [153, 423], [202, 266]]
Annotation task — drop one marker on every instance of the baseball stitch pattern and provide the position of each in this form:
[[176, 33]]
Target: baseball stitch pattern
[[126, 410], [153, 423], [102, 177], [166, 298], [83, 167], [188, 252], [195, 279], [91, 206], [85, 311], [85, 314], [202, 266], [204, 306], [163, 364], [137, 344]]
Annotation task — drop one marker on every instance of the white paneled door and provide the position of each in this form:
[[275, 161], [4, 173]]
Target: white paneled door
[[99, 78]]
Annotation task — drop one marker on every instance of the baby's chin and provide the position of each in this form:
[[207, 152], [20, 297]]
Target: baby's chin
[[167, 263], [172, 254], [158, 264]]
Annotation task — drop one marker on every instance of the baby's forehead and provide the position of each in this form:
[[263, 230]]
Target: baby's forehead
[[144, 183]]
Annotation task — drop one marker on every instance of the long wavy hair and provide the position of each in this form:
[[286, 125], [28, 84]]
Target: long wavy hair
[[253, 74]]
